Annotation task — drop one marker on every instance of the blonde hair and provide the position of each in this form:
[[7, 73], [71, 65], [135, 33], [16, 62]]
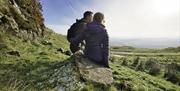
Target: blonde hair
[[99, 17]]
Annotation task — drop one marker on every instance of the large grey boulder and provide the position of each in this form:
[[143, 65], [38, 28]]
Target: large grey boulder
[[91, 71]]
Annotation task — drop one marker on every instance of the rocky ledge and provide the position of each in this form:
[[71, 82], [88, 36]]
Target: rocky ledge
[[78, 73], [90, 71]]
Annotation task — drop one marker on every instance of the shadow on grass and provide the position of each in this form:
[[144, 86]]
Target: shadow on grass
[[25, 74]]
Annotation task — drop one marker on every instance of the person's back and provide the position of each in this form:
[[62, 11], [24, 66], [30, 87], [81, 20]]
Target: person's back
[[95, 35], [97, 41]]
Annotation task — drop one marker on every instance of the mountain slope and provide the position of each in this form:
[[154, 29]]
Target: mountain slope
[[34, 58], [26, 45]]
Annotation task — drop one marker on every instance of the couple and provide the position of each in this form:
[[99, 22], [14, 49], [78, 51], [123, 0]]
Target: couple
[[91, 33]]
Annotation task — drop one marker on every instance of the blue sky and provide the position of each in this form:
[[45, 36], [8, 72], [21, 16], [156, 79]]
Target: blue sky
[[124, 18], [63, 12]]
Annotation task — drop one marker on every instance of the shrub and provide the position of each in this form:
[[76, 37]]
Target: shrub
[[112, 58], [124, 86], [125, 62], [172, 73], [136, 61], [149, 64], [153, 66], [115, 59], [141, 66], [155, 69]]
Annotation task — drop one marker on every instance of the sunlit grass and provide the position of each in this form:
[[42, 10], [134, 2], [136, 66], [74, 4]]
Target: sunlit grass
[[25, 70]]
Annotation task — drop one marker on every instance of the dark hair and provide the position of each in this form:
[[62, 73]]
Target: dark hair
[[98, 17], [87, 13]]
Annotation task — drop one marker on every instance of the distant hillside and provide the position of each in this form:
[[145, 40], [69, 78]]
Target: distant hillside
[[172, 49], [144, 50], [146, 42]]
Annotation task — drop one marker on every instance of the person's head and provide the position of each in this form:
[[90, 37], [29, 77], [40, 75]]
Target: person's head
[[98, 17], [88, 16]]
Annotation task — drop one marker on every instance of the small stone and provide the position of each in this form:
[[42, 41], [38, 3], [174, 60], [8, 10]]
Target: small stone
[[15, 53], [61, 88], [60, 50], [45, 42], [43, 53], [68, 53]]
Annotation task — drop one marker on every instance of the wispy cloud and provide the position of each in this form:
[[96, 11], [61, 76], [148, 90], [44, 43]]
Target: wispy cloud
[[124, 18]]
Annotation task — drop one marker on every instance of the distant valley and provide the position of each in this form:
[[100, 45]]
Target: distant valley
[[146, 42]]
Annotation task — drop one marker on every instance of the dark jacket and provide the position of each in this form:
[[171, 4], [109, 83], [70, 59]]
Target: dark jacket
[[97, 42], [75, 30]]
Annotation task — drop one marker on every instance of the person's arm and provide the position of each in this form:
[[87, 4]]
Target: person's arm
[[82, 27], [79, 38], [105, 43]]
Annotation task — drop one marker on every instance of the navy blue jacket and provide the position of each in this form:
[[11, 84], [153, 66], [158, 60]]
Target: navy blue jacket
[[97, 42]]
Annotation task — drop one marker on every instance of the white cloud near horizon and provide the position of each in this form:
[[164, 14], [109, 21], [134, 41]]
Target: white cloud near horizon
[[61, 29], [135, 18]]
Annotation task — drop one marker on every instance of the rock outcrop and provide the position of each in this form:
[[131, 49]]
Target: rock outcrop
[[78, 73], [90, 71], [22, 18]]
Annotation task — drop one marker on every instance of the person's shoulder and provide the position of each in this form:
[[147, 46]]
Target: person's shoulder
[[82, 22], [90, 25], [103, 27], [104, 30]]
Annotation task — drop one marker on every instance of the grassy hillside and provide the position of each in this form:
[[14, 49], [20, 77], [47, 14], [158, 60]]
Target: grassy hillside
[[34, 58], [37, 65], [147, 71], [21, 60], [132, 80]]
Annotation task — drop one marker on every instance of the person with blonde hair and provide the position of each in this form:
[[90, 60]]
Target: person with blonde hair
[[97, 40]]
